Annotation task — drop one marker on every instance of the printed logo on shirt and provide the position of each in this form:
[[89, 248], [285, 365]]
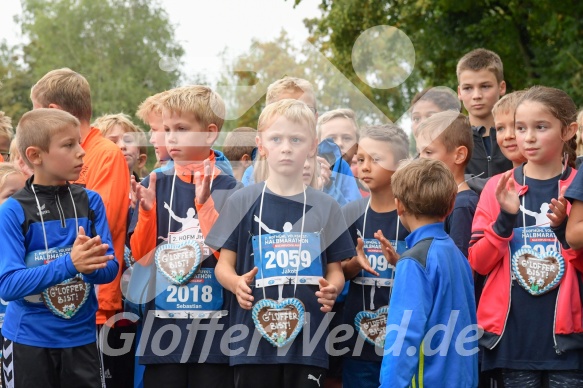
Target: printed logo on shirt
[[312, 377], [43, 211], [541, 218]]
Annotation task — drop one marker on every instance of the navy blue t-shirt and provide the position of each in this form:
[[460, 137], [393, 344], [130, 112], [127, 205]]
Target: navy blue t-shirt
[[358, 293], [527, 342], [170, 340], [459, 223], [238, 223]]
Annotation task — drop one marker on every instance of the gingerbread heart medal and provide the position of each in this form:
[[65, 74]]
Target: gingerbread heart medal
[[538, 273], [178, 262], [66, 299], [279, 322], [372, 325]]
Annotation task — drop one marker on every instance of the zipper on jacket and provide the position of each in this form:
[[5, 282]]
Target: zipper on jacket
[[509, 303], [61, 212], [557, 350]]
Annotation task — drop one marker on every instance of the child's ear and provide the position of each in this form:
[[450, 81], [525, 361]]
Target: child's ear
[[141, 161], [259, 144], [314, 149], [461, 154], [400, 207], [34, 155], [212, 134], [502, 88], [570, 131], [246, 161]]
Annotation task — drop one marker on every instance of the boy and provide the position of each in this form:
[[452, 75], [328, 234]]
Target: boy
[[380, 149], [239, 148], [503, 113], [447, 136], [177, 208], [150, 112], [433, 290], [6, 136], [481, 82], [56, 247], [104, 171]]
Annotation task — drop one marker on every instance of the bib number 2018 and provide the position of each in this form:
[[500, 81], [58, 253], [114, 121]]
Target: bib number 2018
[[185, 294]]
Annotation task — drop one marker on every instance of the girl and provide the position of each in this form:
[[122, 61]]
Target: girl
[[281, 246], [530, 308], [430, 101]]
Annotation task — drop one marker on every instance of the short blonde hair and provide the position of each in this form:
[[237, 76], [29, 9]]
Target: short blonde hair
[[207, 105], [239, 142], [289, 84], [66, 88], [6, 169], [508, 103], [106, 122], [152, 104], [36, 128], [6, 126], [425, 187], [293, 110], [481, 59], [343, 113]]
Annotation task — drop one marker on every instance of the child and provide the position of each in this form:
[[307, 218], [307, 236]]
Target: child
[[503, 113], [433, 288], [481, 82], [56, 247], [128, 137], [380, 149], [261, 272], [150, 112], [579, 139], [11, 180], [177, 209], [447, 136], [239, 147], [340, 126], [17, 161], [6, 136], [530, 306], [431, 101]]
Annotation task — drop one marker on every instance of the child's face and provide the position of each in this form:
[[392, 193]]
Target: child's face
[[479, 91], [433, 148], [506, 138], [354, 165], [286, 146], [64, 160], [342, 132], [5, 147], [376, 163], [127, 143], [309, 171], [12, 184], [158, 137], [538, 133], [187, 141], [422, 110]]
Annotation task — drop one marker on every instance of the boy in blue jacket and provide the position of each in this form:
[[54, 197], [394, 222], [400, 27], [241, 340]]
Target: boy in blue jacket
[[432, 335], [56, 246]]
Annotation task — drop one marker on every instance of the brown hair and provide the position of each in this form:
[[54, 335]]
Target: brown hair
[[106, 122], [453, 129], [442, 97], [562, 107], [206, 105], [36, 128], [239, 142], [425, 187], [66, 88], [481, 59], [508, 103], [392, 134], [152, 104]]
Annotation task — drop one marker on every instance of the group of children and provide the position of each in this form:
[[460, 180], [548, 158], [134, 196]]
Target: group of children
[[273, 263]]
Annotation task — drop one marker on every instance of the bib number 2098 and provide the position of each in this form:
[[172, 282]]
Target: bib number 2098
[[185, 294]]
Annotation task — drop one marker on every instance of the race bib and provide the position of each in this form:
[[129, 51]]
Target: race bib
[[178, 261], [200, 298], [378, 262], [280, 259], [537, 265]]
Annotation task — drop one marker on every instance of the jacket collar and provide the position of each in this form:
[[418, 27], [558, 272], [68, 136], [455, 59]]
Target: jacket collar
[[519, 177], [49, 191], [435, 230]]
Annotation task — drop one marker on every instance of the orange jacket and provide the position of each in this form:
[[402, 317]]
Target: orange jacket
[[105, 171]]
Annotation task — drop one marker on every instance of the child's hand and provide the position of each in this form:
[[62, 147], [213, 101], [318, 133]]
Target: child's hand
[[88, 254], [506, 194], [325, 172], [327, 295], [388, 251], [558, 208], [243, 291], [361, 258], [203, 186], [133, 193], [146, 196]]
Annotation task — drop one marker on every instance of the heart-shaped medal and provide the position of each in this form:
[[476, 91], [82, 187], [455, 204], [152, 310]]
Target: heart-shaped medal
[[66, 299], [538, 273], [178, 262], [279, 322], [128, 258], [372, 325]]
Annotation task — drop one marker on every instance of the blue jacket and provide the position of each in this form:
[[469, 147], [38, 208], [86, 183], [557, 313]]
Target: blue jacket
[[433, 298]]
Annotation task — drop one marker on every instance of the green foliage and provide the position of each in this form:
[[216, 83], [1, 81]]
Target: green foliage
[[115, 44]]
